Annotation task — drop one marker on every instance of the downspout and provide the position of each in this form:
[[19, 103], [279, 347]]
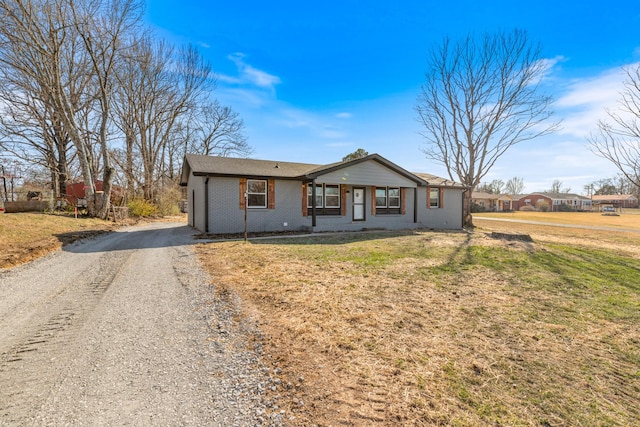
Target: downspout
[[415, 205], [206, 205], [313, 203], [462, 213]]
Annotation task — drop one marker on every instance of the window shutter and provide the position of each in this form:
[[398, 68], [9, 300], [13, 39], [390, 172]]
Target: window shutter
[[304, 199], [441, 194], [428, 197], [243, 189], [271, 194], [373, 200], [403, 204], [343, 199]]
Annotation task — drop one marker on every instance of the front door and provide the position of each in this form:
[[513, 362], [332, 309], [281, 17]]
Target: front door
[[358, 204]]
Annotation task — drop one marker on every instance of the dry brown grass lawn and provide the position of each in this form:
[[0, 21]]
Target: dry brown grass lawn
[[26, 236], [437, 328], [629, 218]]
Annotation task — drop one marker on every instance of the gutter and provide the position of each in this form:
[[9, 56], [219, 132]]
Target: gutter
[[462, 210]]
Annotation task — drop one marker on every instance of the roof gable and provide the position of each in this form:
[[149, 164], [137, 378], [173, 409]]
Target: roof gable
[[371, 165]]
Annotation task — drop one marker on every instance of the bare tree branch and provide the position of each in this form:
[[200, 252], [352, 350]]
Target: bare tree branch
[[481, 97], [618, 140]]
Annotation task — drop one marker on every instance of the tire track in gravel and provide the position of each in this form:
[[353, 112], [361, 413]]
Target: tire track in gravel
[[47, 336]]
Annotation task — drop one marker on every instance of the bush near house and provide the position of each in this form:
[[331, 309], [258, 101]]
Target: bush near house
[[543, 206], [476, 208], [527, 208], [564, 208], [139, 208]]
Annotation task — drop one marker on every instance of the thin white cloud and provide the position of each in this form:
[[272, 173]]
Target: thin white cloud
[[548, 65], [316, 124], [248, 75], [344, 115], [586, 101]]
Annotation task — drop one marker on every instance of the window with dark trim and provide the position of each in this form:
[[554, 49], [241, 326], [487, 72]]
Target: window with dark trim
[[327, 199], [387, 200], [257, 193]]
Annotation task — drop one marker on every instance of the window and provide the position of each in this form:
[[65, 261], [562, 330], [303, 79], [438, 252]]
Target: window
[[381, 197], [434, 197], [319, 197], [327, 199], [256, 193], [394, 197], [387, 200], [332, 196]]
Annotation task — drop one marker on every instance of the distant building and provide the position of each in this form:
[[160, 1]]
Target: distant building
[[487, 202], [75, 193], [555, 201], [617, 200]]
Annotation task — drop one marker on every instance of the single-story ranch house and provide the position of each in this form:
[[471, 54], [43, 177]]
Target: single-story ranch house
[[486, 202], [553, 201], [366, 193]]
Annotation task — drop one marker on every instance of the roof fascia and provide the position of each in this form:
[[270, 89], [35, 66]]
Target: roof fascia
[[244, 175]]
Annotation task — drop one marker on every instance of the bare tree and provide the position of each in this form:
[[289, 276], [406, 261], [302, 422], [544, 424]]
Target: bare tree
[[103, 26], [63, 53], [619, 139], [619, 184], [514, 185], [493, 187], [30, 131], [157, 88], [557, 188], [217, 130], [481, 97]]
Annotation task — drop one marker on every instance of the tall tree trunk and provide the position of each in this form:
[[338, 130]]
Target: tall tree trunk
[[467, 218], [129, 164]]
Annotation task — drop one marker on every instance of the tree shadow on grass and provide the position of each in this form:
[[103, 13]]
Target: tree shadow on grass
[[337, 238]]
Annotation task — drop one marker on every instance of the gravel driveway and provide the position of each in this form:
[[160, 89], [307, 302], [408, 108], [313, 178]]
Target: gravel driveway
[[125, 330]]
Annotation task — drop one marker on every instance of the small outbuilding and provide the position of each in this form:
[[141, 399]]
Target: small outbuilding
[[365, 193]]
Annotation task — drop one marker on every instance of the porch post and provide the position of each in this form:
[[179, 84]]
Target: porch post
[[313, 203]]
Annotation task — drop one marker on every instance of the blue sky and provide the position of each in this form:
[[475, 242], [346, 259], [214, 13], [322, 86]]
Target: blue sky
[[314, 81]]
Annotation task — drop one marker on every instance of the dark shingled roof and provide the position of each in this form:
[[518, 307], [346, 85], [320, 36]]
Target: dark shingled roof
[[438, 181], [232, 166]]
